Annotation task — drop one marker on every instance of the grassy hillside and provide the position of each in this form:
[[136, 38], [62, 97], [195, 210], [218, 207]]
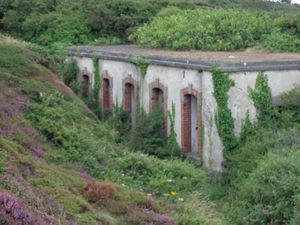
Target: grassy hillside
[[60, 165]]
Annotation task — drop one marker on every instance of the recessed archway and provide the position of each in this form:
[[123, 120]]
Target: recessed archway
[[128, 102], [191, 121], [85, 86], [158, 100], [106, 104]]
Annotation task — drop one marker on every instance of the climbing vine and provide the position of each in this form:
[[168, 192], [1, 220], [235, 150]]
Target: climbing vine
[[223, 117], [247, 129], [96, 89], [171, 145], [141, 63], [262, 96]]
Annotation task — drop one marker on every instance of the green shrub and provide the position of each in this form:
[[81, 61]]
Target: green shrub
[[205, 29], [121, 122], [281, 42], [289, 24], [291, 99], [198, 210], [148, 135], [270, 194], [69, 72], [2, 163]]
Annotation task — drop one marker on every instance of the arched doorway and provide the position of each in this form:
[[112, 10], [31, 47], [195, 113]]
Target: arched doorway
[[157, 99], [190, 134], [129, 97], [106, 104], [85, 83]]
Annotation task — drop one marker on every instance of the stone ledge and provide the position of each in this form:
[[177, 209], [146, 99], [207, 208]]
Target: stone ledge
[[204, 65]]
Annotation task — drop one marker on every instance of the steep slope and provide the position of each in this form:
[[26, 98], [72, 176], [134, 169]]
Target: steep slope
[[60, 165]]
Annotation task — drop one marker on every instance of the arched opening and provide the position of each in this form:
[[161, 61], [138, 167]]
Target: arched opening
[[158, 105], [106, 94], [190, 124], [85, 81], [157, 100], [129, 97]]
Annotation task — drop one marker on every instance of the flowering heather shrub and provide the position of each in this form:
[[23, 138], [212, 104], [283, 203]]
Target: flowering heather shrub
[[13, 211], [153, 218], [36, 149], [12, 106], [85, 174], [95, 191]]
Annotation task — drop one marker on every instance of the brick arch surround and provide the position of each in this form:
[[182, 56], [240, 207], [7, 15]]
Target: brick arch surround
[[157, 85], [107, 92], [85, 80], [186, 95]]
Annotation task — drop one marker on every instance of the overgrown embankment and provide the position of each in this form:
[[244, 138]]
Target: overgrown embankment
[[60, 165]]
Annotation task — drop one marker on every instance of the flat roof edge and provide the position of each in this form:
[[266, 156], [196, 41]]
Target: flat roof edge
[[204, 65]]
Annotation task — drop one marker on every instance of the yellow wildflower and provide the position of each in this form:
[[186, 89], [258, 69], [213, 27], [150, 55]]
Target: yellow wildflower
[[173, 193]]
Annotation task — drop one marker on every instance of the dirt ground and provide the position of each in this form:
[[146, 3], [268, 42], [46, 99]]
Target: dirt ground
[[249, 55]]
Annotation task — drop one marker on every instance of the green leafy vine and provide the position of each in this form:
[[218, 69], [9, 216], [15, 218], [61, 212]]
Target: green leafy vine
[[96, 89], [262, 96], [141, 63], [224, 120]]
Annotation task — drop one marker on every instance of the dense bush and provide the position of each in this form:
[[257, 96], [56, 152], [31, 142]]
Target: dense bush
[[99, 191], [69, 72], [281, 42], [270, 195], [291, 99], [149, 136], [205, 29]]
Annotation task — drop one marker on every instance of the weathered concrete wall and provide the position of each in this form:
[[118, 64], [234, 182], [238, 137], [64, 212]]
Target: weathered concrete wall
[[240, 101], [118, 71], [212, 144], [176, 80], [87, 65]]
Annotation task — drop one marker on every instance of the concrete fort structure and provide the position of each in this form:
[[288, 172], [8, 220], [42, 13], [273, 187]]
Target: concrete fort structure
[[184, 79]]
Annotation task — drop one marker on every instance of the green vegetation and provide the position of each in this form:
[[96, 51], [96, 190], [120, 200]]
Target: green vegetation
[[57, 158], [272, 188], [69, 72], [53, 144], [281, 42], [2, 163], [96, 88], [205, 29], [149, 135], [224, 120], [57, 23], [262, 96], [218, 29]]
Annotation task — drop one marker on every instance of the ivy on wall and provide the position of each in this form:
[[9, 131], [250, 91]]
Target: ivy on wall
[[141, 63], [96, 89], [224, 120], [262, 96]]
